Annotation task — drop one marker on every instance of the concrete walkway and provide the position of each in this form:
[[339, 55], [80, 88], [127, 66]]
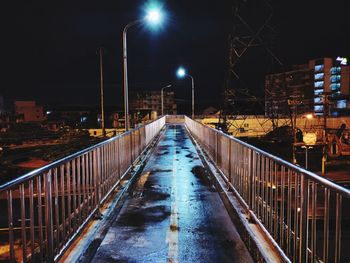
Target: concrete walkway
[[174, 215]]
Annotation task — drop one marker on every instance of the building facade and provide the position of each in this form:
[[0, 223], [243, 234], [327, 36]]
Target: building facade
[[30, 111], [322, 87], [288, 90], [331, 86], [151, 101]]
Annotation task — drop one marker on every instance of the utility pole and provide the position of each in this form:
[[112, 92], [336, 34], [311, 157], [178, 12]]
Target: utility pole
[[100, 55], [293, 102], [325, 139]]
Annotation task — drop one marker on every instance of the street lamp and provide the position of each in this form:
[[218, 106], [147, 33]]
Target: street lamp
[[162, 97], [181, 73], [100, 55], [153, 17]]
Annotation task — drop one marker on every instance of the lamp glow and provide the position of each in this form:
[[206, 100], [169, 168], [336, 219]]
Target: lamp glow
[[309, 116], [181, 72], [154, 16]]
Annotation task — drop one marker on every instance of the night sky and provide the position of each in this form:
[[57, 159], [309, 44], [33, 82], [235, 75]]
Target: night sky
[[49, 47]]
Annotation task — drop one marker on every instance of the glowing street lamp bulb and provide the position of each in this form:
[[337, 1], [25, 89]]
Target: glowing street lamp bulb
[[309, 116], [154, 16], [181, 72]]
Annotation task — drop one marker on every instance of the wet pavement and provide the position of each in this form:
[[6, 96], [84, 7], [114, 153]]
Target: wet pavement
[[174, 214]]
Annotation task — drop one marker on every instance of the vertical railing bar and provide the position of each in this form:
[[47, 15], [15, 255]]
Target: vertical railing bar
[[100, 169], [31, 217], [313, 226], [95, 175], [69, 207], [254, 181], [78, 164], [63, 203], [296, 193], [87, 166], [23, 222], [326, 225], [275, 203], [108, 169], [229, 162], [40, 223], [259, 187], [57, 214], [75, 225], [304, 207], [83, 187], [272, 171], [264, 190], [289, 212], [48, 216], [118, 157], [338, 228], [250, 183], [10, 225], [282, 229], [91, 182]]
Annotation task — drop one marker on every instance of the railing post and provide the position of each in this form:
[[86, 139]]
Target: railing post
[[303, 227], [96, 176], [10, 225], [229, 161], [48, 216], [216, 147], [250, 178]]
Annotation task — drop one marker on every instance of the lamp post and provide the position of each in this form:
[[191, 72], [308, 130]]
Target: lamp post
[[162, 97], [153, 17], [100, 55], [181, 73]]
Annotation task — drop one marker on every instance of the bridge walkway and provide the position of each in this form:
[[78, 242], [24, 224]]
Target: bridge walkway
[[174, 214]]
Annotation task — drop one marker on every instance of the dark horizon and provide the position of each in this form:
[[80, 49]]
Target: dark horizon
[[49, 52]]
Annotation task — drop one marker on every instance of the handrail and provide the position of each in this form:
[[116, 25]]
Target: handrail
[[48, 207], [299, 210], [311, 175], [56, 163]]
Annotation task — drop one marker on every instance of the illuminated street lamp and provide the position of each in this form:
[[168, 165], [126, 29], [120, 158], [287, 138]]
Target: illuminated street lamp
[[153, 17], [309, 116], [162, 97], [181, 73]]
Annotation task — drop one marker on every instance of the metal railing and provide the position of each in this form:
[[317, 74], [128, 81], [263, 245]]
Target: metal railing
[[306, 215], [44, 210]]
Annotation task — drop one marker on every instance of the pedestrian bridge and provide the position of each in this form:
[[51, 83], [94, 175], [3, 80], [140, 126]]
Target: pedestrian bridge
[[174, 190]]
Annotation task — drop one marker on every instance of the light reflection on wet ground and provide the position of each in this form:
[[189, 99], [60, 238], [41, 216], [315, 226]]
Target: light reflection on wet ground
[[173, 215]]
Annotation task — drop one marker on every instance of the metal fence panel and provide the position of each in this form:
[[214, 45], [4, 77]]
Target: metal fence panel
[[46, 207], [306, 214]]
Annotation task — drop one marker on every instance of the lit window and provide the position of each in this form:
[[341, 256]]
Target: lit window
[[335, 70], [335, 78], [341, 104], [319, 67], [318, 100], [318, 91], [319, 84], [318, 108], [335, 86], [319, 76]]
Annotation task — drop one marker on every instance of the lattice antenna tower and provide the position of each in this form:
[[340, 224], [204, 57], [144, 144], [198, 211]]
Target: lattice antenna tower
[[251, 36]]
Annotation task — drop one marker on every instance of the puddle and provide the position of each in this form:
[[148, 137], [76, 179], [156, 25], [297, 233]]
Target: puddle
[[138, 218], [201, 173], [190, 155]]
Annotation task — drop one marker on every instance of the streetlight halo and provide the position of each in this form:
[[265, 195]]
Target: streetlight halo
[[181, 72], [154, 16]]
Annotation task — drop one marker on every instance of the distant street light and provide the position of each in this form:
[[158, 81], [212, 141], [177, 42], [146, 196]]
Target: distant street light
[[162, 97], [153, 17], [181, 73], [309, 116]]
